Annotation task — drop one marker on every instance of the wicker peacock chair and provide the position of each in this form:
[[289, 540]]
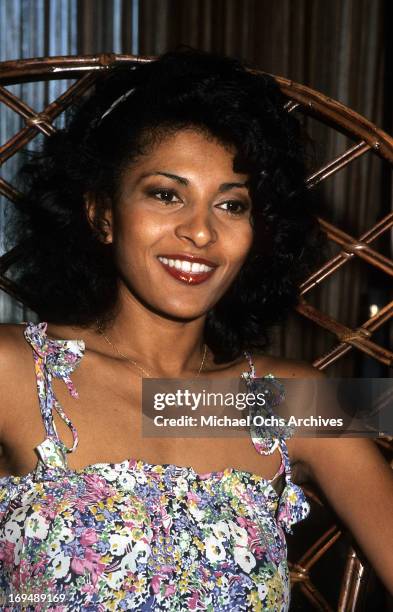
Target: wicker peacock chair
[[356, 575]]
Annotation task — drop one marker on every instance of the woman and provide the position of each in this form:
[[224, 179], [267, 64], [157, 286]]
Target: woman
[[162, 233]]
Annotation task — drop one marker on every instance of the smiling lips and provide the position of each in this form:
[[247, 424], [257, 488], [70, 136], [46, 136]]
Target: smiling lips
[[188, 269]]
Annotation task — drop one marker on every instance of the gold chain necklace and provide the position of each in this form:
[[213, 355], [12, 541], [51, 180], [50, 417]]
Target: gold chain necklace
[[135, 363]]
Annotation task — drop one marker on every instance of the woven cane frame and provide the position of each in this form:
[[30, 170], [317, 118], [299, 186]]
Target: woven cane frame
[[367, 139]]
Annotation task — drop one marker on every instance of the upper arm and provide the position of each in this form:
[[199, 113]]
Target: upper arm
[[358, 484]]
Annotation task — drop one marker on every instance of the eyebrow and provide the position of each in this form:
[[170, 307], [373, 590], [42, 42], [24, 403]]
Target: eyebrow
[[183, 181]]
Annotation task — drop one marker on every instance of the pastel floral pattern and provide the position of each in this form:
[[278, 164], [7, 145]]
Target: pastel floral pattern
[[139, 536]]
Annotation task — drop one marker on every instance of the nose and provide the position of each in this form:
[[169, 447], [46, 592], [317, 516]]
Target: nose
[[198, 228]]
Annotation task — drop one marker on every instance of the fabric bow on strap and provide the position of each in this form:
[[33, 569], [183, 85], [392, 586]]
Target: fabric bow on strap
[[60, 356]]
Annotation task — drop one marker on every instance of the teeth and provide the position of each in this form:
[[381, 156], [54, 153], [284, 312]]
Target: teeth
[[185, 266]]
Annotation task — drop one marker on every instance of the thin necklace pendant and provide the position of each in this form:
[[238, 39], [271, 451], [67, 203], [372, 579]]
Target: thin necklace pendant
[[134, 363], [203, 360]]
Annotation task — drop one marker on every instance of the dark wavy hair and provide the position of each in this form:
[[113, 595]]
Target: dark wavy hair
[[65, 272]]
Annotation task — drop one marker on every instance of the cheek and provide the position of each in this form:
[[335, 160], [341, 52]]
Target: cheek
[[239, 244], [135, 236]]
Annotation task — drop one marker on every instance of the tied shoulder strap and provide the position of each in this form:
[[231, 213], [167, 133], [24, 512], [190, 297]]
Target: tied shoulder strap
[[53, 358], [265, 438], [293, 505]]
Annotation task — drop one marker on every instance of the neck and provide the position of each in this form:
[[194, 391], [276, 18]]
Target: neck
[[149, 339]]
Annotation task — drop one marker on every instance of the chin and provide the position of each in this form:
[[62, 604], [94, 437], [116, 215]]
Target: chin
[[183, 314], [179, 310], [173, 308]]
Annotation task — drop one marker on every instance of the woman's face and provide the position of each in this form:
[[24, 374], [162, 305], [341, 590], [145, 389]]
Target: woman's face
[[181, 228]]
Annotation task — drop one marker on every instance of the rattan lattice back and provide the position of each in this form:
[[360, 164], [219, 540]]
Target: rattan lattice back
[[367, 139]]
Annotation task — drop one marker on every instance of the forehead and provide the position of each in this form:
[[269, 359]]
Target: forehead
[[189, 149]]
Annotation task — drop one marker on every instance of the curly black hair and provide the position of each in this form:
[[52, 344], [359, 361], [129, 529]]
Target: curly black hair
[[65, 272]]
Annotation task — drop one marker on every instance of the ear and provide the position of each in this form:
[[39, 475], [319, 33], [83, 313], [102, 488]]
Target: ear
[[99, 217]]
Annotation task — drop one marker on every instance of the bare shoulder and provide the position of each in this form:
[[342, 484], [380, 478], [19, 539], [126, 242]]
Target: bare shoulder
[[12, 345], [15, 361], [285, 368]]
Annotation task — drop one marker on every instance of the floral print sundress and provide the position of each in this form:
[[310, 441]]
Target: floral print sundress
[[135, 535]]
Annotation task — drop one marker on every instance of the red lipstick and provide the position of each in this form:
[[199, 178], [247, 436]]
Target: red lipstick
[[189, 277]]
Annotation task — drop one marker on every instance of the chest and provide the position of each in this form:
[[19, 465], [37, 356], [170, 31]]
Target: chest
[[108, 420]]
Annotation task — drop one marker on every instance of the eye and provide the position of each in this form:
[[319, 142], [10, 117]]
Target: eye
[[235, 207], [164, 195]]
